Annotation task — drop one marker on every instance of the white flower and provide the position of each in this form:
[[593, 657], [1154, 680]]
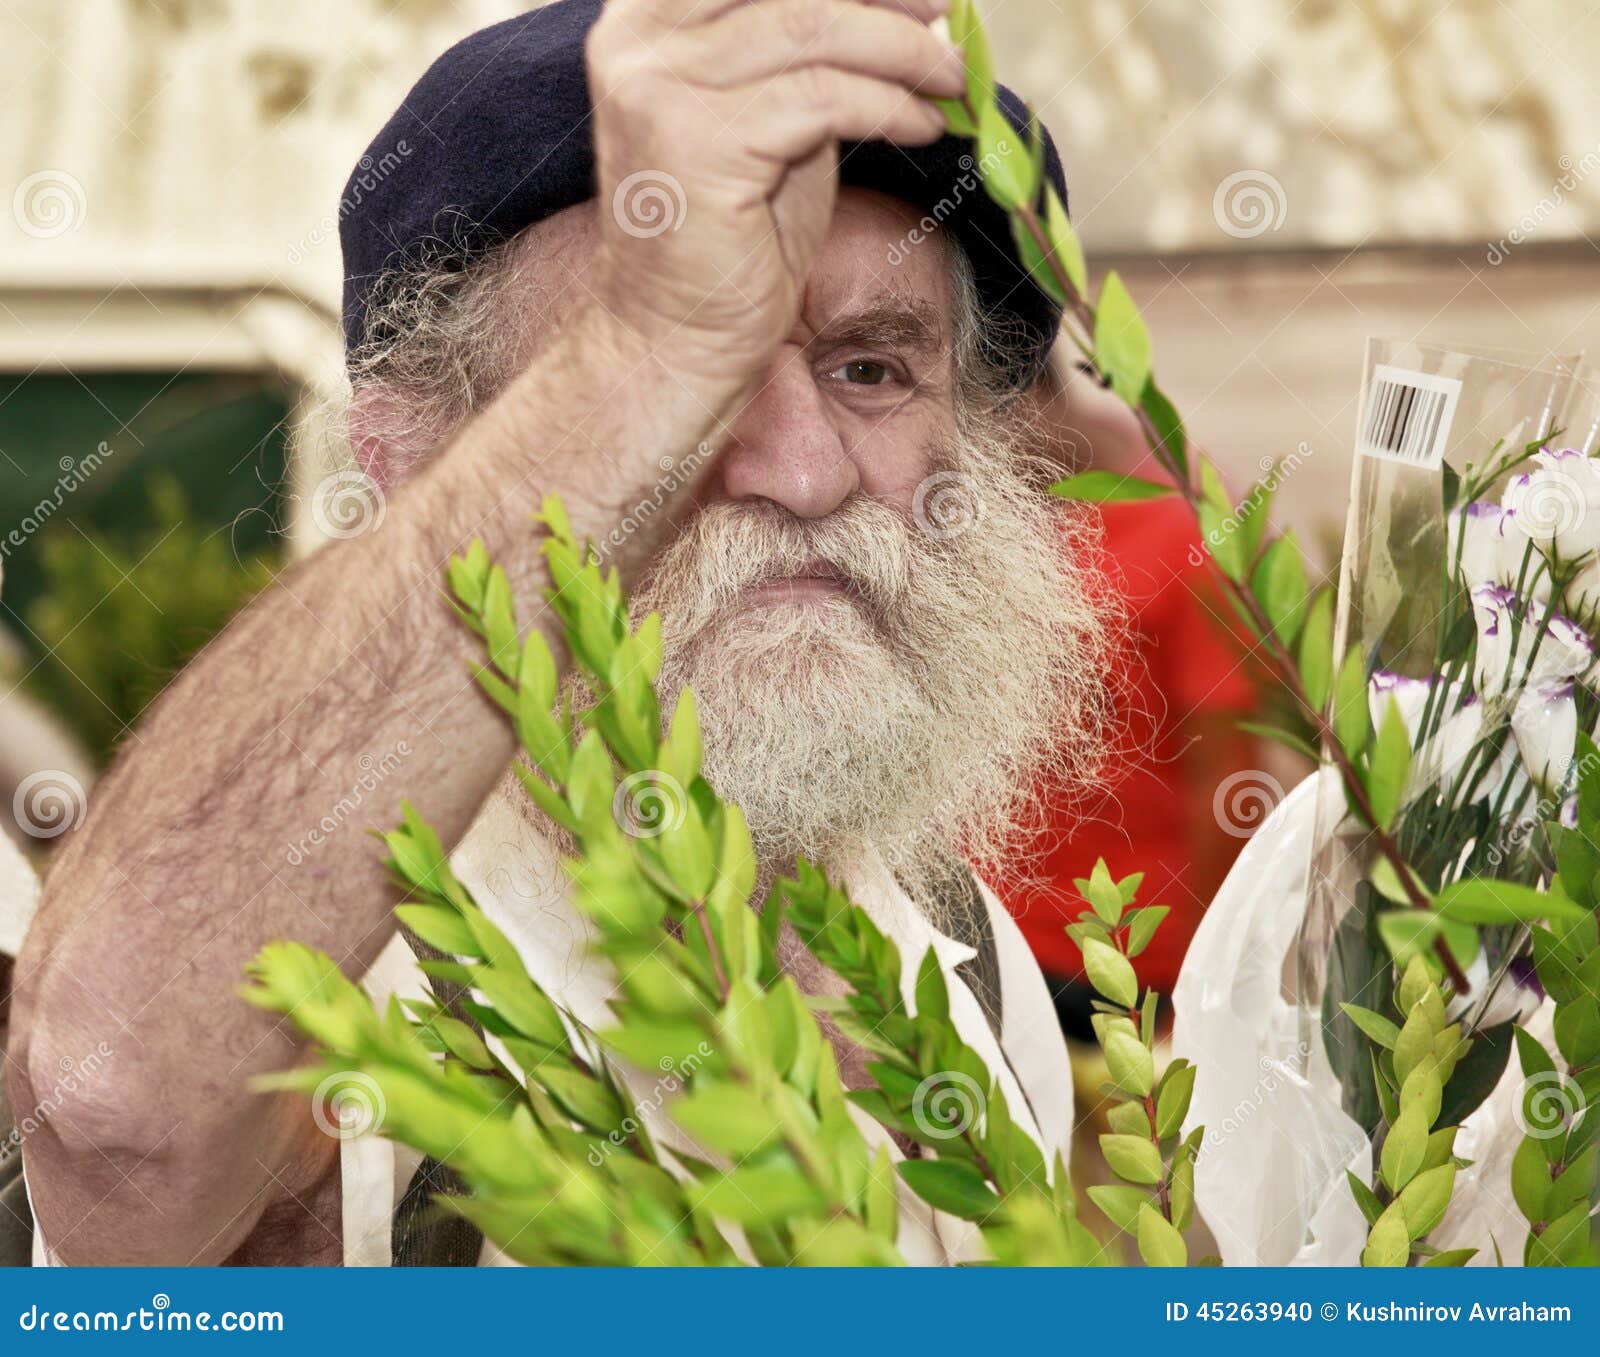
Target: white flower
[[1512, 652], [1545, 724], [1485, 546], [1557, 503]]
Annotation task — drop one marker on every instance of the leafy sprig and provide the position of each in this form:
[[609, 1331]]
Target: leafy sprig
[[1264, 576], [1416, 1162], [1145, 1147], [540, 1115]]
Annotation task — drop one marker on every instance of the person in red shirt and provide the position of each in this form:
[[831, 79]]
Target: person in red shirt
[[1182, 683]]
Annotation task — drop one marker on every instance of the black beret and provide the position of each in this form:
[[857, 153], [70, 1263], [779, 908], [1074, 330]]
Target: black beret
[[495, 136]]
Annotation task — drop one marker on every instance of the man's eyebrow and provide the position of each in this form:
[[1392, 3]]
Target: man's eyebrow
[[902, 324]]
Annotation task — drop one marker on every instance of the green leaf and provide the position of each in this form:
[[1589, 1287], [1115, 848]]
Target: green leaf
[[1171, 440], [757, 1196], [956, 117], [1391, 766], [1160, 1244], [1366, 1199], [951, 1185], [726, 1117], [1035, 259], [1134, 1159], [1121, 341], [1351, 721], [1064, 242], [1389, 1243], [1003, 160], [1403, 1149], [1530, 1178], [1172, 1103], [1482, 900], [1425, 1199], [967, 33], [1316, 650], [1142, 926], [1120, 1204], [1110, 972], [1107, 487], [1129, 1062], [1375, 1025], [1279, 584], [440, 927]]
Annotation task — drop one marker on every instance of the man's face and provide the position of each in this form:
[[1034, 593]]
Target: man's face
[[881, 620]]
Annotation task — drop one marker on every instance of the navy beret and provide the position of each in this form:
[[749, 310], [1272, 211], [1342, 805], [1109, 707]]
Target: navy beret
[[495, 136]]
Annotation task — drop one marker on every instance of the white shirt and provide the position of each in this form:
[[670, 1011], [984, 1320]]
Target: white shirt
[[513, 873]]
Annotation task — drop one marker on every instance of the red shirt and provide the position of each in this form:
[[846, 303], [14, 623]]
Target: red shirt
[[1180, 662]]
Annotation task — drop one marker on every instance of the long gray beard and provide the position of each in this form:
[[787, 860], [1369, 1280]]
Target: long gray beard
[[913, 716]]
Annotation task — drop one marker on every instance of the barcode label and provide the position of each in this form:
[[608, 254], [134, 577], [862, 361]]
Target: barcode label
[[1408, 416]]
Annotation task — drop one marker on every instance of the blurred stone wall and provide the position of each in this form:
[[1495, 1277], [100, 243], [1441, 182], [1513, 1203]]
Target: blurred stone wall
[[1233, 124]]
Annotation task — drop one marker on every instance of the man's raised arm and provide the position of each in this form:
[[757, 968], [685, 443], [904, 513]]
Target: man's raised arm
[[180, 875]]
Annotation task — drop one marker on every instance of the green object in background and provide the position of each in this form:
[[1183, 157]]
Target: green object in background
[[118, 619], [137, 511]]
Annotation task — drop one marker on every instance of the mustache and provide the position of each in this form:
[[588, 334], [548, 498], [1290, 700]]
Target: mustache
[[727, 548]]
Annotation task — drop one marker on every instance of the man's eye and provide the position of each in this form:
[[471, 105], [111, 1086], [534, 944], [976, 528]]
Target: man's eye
[[862, 372]]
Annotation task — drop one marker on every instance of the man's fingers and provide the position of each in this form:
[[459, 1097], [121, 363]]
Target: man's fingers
[[658, 16], [753, 42], [790, 115]]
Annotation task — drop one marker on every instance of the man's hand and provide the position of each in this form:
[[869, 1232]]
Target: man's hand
[[716, 125]]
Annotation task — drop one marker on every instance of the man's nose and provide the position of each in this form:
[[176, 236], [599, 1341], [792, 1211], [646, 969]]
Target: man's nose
[[785, 446]]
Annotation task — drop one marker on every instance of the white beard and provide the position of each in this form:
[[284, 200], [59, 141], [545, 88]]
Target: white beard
[[911, 714]]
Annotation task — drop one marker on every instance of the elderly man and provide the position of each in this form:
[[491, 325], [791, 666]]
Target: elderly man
[[681, 263]]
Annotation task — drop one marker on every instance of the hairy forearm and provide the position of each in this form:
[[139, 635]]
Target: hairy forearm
[[239, 811]]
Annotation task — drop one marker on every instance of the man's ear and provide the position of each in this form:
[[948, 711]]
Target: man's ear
[[384, 438]]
